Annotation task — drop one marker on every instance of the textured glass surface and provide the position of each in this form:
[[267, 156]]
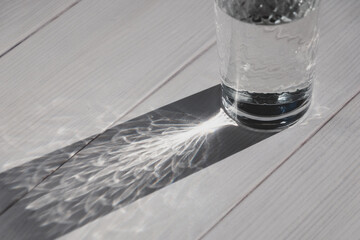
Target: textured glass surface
[[267, 51], [266, 11]]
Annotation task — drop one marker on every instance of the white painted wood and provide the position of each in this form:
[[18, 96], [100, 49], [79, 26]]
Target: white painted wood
[[314, 195], [86, 69], [20, 18], [200, 75], [188, 208]]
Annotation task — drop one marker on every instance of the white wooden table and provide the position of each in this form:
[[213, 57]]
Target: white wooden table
[[71, 69]]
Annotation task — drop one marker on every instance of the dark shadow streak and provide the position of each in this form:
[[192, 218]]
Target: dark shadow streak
[[125, 163]]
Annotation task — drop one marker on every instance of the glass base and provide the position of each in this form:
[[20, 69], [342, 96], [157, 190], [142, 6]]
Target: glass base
[[266, 110]]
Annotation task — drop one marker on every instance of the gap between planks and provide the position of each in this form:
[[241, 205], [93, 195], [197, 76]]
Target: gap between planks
[[39, 28], [207, 46], [203, 235]]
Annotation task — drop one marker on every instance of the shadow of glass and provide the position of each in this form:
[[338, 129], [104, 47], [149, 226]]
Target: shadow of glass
[[121, 165]]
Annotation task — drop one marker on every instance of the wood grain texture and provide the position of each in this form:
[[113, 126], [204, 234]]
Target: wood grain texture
[[89, 67], [190, 207], [314, 195], [21, 18]]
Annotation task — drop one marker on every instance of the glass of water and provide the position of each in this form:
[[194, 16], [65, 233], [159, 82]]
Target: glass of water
[[267, 52]]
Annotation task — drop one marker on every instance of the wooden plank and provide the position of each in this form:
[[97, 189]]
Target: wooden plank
[[86, 69], [126, 163], [190, 207], [19, 19], [314, 195], [201, 74]]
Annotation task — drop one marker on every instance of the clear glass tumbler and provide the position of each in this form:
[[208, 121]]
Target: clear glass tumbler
[[267, 52]]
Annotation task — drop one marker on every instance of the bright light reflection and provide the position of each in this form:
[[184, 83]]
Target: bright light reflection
[[119, 171]]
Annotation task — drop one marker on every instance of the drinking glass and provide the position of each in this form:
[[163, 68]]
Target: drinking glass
[[267, 51]]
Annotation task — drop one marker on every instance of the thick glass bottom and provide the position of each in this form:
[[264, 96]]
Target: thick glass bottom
[[266, 110]]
